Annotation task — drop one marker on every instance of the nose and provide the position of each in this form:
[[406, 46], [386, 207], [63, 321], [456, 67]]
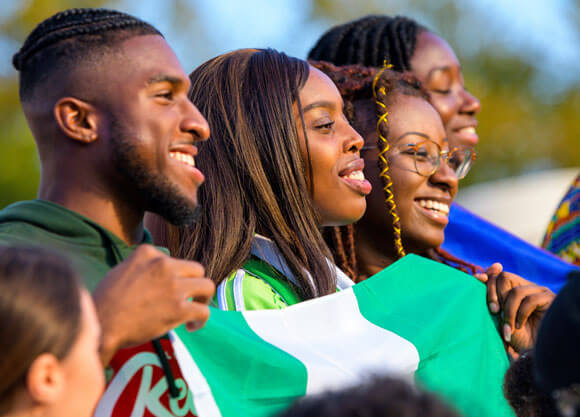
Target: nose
[[444, 177], [353, 141], [470, 104], [194, 123]]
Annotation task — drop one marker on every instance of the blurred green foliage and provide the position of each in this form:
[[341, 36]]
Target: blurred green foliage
[[19, 166], [519, 131]]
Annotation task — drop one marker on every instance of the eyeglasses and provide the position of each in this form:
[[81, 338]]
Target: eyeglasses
[[427, 156]]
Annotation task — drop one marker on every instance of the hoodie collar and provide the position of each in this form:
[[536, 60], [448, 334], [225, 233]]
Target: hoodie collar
[[61, 221]]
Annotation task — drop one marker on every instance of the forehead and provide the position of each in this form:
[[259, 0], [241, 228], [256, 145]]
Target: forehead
[[319, 88], [413, 114], [431, 52], [141, 58]]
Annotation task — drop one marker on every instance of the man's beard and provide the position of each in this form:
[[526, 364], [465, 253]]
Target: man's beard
[[157, 193]]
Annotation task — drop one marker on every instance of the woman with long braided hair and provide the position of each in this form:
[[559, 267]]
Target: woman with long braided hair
[[415, 174], [408, 47]]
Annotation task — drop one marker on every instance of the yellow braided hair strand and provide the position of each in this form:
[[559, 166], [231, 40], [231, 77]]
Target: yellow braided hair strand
[[383, 145]]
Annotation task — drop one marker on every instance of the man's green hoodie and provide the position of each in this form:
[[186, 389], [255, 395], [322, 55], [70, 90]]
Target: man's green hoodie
[[93, 249]]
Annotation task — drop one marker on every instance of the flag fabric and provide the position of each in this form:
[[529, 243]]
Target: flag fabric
[[417, 319], [479, 242], [139, 387]]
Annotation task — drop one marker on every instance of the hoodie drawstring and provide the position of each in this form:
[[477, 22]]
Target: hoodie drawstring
[[171, 385]]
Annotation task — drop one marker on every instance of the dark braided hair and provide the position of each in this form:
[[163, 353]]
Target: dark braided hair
[[369, 41], [441, 255], [341, 242], [69, 38]]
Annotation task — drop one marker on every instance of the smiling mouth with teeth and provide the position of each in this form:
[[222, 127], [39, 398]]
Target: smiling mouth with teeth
[[355, 175], [184, 158], [434, 206]]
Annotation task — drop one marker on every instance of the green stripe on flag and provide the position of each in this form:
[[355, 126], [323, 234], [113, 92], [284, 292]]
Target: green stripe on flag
[[415, 315], [242, 370], [443, 312]]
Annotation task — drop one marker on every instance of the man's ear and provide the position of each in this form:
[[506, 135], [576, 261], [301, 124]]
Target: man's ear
[[77, 119], [45, 380]]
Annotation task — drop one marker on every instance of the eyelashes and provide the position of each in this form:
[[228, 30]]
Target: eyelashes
[[168, 95], [325, 126]]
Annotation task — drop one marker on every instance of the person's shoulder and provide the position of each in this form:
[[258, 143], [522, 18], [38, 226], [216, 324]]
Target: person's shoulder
[[25, 220], [20, 232]]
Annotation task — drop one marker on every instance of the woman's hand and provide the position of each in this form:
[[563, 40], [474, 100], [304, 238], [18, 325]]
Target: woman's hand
[[522, 305]]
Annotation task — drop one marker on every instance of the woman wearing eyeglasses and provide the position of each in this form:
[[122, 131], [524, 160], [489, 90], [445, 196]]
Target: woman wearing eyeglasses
[[414, 174]]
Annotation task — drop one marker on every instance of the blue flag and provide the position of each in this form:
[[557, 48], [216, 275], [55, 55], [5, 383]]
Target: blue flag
[[479, 242]]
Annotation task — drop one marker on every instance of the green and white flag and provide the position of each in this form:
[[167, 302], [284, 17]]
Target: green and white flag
[[417, 318]]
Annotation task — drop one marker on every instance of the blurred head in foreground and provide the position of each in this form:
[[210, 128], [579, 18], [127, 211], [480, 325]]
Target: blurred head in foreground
[[379, 397], [556, 365], [50, 337]]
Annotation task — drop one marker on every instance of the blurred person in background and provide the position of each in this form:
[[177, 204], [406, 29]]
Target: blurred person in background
[[407, 46], [563, 234]]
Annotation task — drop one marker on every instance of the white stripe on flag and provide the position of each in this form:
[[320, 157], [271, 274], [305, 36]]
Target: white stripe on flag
[[203, 400], [325, 335]]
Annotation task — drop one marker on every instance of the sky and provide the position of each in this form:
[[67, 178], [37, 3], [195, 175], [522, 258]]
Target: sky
[[544, 33]]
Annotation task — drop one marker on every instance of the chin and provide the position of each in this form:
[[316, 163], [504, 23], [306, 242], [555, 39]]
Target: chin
[[343, 221], [433, 244], [422, 243], [344, 218]]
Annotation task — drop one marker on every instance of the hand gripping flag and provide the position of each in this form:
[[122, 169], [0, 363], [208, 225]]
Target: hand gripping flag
[[416, 319]]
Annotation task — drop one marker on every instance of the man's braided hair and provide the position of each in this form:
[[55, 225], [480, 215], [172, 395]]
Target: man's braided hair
[[69, 38]]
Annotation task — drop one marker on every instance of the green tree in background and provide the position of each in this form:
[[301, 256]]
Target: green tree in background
[[19, 164]]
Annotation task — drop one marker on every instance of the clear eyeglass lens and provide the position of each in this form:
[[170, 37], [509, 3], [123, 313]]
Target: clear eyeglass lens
[[427, 157]]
